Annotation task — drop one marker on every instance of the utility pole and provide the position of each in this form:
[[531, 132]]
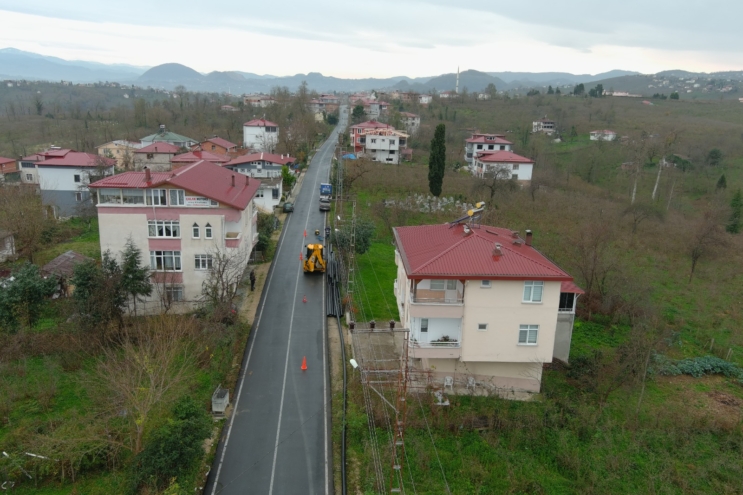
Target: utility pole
[[401, 413], [351, 261]]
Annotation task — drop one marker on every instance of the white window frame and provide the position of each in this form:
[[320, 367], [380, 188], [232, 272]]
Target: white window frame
[[155, 227], [437, 282], [528, 334], [30, 177], [177, 197], [203, 261], [78, 196], [157, 197], [174, 256], [485, 284], [451, 284], [482, 327], [174, 293], [195, 231], [208, 234], [424, 328], [529, 292], [77, 178]]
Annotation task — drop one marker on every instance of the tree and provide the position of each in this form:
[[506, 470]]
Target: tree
[[149, 367], [219, 289], [675, 95], [358, 114], [714, 157], [437, 160], [364, 235], [288, 178], [550, 91], [640, 212], [99, 297], [557, 91], [39, 104], [722, 183], [736, 205], [706, 239], [491, 90], [23, 298], [496, 180], [135, 276], [579, 89], [23, 215]]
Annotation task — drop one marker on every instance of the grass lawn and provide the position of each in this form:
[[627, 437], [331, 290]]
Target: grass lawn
[[86, 241], [376, 277]]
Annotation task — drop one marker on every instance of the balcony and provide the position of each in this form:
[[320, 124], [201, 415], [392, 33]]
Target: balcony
[[232, 239], [435, 350]]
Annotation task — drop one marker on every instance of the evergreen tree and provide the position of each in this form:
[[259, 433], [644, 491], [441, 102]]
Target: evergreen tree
[[135, 277], [550, 91], [722, 183], [579, 89], [557, 91], [734, 224], [23, 298], [437, 160]]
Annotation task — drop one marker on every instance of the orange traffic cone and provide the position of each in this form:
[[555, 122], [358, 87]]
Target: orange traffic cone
[[304, 363], [304, 299], [300, 257], [305, 232]]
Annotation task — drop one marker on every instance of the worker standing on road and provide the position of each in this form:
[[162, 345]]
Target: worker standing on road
[[252, 280]]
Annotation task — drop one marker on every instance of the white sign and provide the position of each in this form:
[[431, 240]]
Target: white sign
[[197, 201]]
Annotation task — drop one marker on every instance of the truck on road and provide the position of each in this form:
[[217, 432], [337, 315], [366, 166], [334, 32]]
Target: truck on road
[[326, 190]]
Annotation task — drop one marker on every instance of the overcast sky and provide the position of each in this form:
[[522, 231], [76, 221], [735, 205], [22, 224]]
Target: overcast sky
[[383, 38]]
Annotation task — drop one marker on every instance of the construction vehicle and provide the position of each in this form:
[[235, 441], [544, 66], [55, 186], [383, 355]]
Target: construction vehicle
[[314, 260]]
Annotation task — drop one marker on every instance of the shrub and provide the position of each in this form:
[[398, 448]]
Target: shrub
[[696, 367]]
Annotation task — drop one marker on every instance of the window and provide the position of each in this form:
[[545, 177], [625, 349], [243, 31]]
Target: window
[[109, 196], [485, 284], [451, 285], [373, 140], [133, 196], [208, 231], [270, 129], [214, 147], [174, 293], [490, 146], [196, 233], [77, 178], [528, 334], [479, 146], [164, 228], [502, 147], [392, 152], [533, 291], [203, 261], [177, 197], [482, 327], [29, 177], [567, 302], [165, 260], [259, 194], [157, 197], [515, 166], [78, 196], [437, 284], [424, 325], [392, 141], [150, 156]]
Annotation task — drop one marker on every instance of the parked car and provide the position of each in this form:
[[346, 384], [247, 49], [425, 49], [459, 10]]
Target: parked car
[[288, 207]]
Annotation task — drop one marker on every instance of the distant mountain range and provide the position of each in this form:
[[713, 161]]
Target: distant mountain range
[[18, 64]]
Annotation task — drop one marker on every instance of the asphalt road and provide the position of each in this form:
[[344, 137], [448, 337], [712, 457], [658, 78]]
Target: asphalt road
[[277, 440]]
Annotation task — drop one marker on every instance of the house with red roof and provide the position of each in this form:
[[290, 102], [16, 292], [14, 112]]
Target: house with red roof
[[7, 166], [180, 220], [197, 156], [544, 125], [261, 164], [260, 101], [216, 145], [260, 135], [156, 156], [411, 121], [63, 176], [481, 142], [484, 307], [502, 165], [356, 132]]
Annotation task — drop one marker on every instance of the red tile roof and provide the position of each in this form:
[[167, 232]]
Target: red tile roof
[[372, 124], [571, 287], [260, 123], [409, 115], [203, 178], [502, 156], [4, 160], [195, 156], [70, 158], [604, 131], [159, 147], [497, 139], [266, 157], [221, 142], [438, 251]]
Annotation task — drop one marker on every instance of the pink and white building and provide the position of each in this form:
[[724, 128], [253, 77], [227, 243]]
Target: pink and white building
[[480, 143], [260, 135], [179, 220], [484, 307], [356, 132], [505, 164]]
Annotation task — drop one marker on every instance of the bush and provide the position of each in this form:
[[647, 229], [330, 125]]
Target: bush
[[697, 367], [173, 450]]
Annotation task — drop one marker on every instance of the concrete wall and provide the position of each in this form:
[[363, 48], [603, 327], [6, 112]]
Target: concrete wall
[[516, 377], [563, 336], [502, 309], [66, 203], [265, 169], [258, 139]]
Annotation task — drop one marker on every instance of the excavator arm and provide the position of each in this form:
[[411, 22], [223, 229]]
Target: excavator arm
[[314, 260]]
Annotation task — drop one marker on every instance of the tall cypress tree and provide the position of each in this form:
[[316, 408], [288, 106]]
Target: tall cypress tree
[[734, 224], [437, 160], [135, 276]]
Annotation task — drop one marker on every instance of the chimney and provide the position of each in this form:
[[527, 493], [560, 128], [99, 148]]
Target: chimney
[[233, 180], [247, 180], [497, 251], [147, 175], [528, 237], [515, 234]]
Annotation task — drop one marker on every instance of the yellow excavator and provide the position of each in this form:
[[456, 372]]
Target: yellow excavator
[[314, 260]]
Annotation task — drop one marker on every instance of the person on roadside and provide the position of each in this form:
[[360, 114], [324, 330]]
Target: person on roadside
[[252, 280]]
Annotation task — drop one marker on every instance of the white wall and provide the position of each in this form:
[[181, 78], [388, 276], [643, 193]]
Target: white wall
[[63, 178], [258, 139]]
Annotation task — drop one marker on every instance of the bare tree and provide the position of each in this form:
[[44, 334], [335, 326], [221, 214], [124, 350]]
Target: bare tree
[[22, 214], [496, 180], [220, 287], [639, 212], [148, 368], [706, 239]]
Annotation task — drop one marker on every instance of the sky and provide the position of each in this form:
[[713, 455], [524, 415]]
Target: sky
[[383, 38]]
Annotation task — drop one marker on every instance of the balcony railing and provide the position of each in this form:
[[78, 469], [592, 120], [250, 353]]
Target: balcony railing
[[435, 345], [437, 300]]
